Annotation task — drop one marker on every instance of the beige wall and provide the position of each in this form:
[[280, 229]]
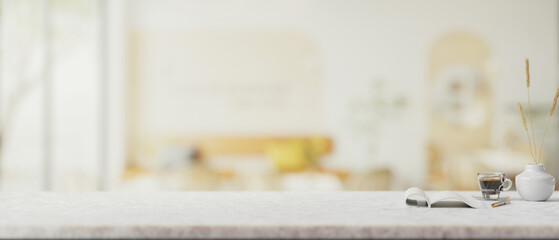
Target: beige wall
[[352, 45]]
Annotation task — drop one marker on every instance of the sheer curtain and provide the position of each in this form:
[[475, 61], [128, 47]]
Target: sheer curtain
[[54, 95]]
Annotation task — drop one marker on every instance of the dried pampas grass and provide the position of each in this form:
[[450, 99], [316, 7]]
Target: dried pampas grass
[[526, 129], [547, 124], [522, 115], [527, 63], [533, 144], [554, 102], [532, 141]]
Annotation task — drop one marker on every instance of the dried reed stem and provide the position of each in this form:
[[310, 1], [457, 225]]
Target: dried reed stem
[[530, 107], [526, 129], [554, 102], [527, 64], [547, 124]]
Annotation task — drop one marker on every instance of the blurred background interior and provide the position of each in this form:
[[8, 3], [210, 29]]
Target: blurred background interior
[[169, 95]]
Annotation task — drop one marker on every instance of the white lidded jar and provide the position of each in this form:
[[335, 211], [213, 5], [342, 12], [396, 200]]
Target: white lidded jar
[[535, 184]]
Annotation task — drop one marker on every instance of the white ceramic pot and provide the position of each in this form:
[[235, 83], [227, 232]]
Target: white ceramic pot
[[535, 184]]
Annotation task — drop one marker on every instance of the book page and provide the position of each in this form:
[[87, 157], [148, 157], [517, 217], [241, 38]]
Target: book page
[[455, 200], [416, 197]]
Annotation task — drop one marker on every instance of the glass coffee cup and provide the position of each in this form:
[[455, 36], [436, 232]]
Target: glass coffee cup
[[492, 183]]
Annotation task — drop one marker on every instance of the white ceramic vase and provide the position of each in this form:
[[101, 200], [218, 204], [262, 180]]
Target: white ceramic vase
[[535, 184]]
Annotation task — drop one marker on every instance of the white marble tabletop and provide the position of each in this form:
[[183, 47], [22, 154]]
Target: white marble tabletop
[[341, 215]]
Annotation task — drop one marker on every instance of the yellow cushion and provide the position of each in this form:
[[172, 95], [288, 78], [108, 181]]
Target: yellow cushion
[[289, 156]]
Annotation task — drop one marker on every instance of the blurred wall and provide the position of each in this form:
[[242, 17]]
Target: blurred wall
[[358, 72], [371, 60]]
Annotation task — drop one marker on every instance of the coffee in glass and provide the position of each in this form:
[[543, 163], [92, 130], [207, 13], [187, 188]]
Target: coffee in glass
[[492, 183]]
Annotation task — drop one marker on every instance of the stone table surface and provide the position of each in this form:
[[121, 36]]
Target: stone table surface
[[199, 215]]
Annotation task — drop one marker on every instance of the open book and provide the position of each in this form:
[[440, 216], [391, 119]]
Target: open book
[[417, 197]]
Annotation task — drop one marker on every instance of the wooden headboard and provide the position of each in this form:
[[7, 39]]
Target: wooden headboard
[[231, 146]]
